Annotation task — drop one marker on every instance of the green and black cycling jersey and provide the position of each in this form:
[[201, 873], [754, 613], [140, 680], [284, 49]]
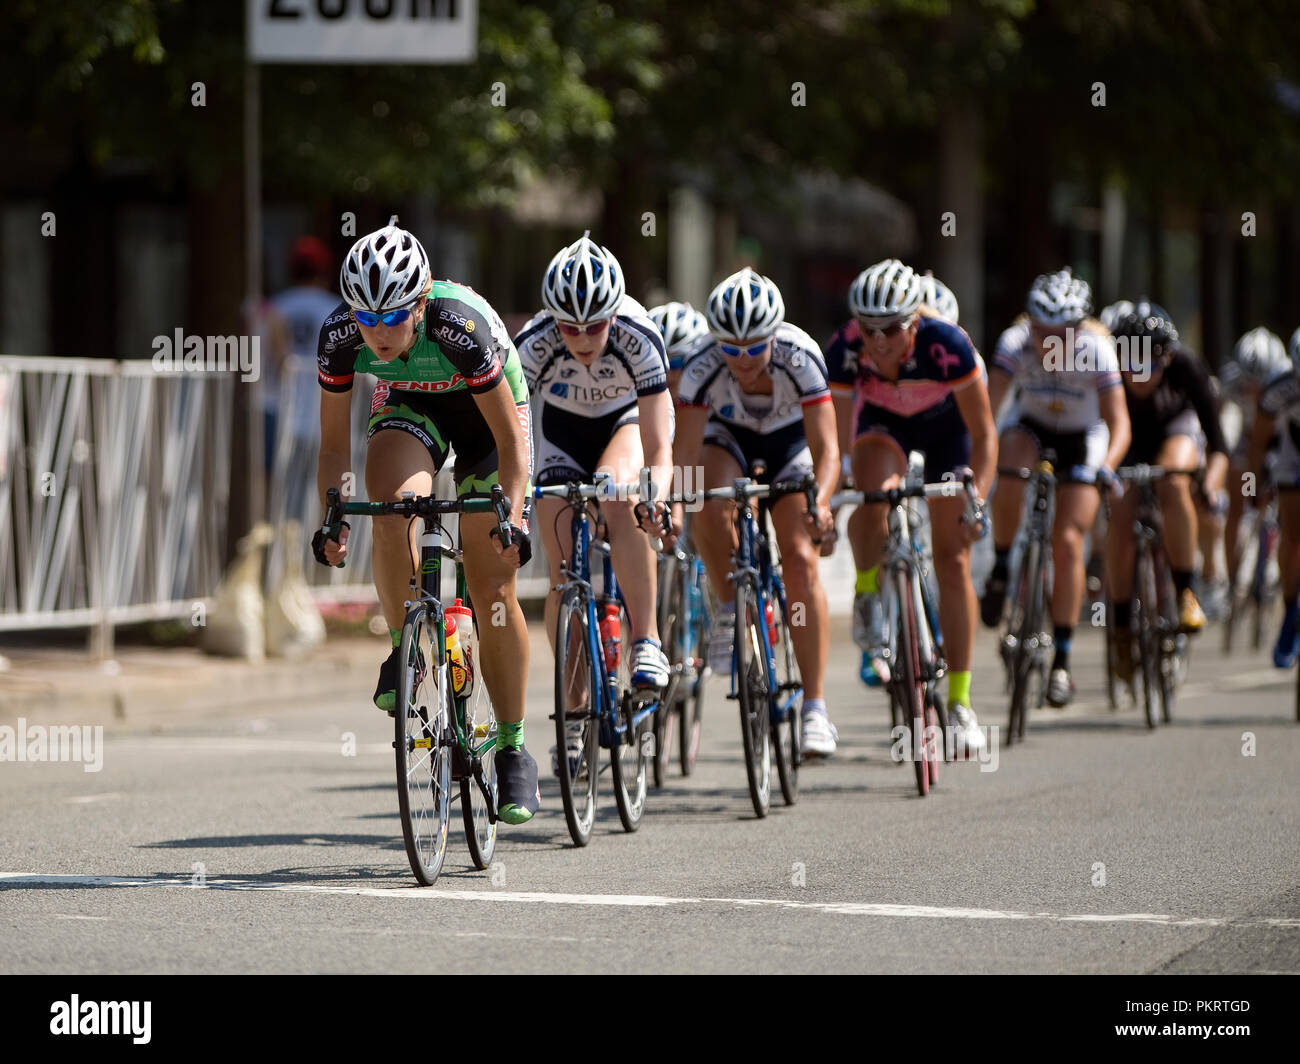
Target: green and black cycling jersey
[[461, 347]]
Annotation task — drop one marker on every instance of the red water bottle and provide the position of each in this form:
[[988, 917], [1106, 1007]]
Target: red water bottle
[[771, 623], [610, 635]]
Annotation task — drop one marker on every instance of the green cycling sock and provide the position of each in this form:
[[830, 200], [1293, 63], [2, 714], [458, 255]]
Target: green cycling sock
[[510, 734], [866, 582], [395, 634], [959, 688]]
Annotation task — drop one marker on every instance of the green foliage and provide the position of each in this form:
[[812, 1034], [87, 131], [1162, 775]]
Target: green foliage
[[666, 90]]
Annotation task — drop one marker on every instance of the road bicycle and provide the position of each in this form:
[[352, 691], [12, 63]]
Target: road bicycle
[[592, 673], [912, 655], [445, 735], [765, 679], [1161, 649], [1027, 639], [1253, 600], [684, 627]]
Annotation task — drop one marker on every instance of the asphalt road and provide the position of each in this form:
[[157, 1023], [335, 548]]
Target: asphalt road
[[1097, 846]]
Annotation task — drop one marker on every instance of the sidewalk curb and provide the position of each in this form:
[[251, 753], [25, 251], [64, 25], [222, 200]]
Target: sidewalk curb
[[157, 685]]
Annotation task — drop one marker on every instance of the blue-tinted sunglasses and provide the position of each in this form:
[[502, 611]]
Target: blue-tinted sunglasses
[[392, 317], [753, 351]]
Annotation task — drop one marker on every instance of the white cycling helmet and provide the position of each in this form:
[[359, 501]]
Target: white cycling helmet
[[888, 289], [1114, 313], [385, 270], [1059, 299], [1260, 355], [746, 306], [938, 297], [1294, 350], [583, 282], [681, 324]]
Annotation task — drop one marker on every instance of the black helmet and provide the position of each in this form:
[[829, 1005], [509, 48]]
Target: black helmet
[[1147, 319]]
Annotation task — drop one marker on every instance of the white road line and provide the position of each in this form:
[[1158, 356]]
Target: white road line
[[249, 745], [86, 799], [643, 901]]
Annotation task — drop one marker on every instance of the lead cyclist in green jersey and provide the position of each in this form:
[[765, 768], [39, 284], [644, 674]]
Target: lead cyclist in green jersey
[[448, 377]]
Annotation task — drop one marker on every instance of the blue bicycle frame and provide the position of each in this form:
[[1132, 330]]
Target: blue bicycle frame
[[754, 558], [613, 731]]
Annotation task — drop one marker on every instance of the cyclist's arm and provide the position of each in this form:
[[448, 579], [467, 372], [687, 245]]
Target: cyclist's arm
[[335, 457], [689, 441], [655, 416], [1260, 435], [1114, 411], [999, 383], [819, 429], [976, 411], [510, 432], [842, 399]]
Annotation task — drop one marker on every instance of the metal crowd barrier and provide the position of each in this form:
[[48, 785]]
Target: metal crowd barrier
[[114, 480]]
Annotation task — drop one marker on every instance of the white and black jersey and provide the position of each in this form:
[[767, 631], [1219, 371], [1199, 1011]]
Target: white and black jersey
[[634, 363], [583, 406], [798, 379]]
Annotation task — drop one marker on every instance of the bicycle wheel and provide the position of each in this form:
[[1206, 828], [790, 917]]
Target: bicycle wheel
[[690, 723], [1112, 682], [753, 688], [911, 688], [671, 632], [480, 728], [1023, 625], [1148, 620], [1238, 596], [665, 729], [1168, 630], [787, 730], [629, 760], [423, 746], [936, 715], [577, 692]]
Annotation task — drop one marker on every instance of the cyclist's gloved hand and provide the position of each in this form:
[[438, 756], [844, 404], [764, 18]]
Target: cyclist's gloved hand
[[521, 541], [320, 545], [1108, 481]]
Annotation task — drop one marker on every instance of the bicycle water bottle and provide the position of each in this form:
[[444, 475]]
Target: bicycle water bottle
[[610, 635], [771, 623], [459, 654]]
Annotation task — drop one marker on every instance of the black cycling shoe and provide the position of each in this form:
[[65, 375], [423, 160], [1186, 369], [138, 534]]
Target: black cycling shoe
[[386, 689], [995, 597], [518, 795]]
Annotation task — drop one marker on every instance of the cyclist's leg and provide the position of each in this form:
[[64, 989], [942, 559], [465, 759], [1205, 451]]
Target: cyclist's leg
[[634, 558], [568, 450], [1076, 508], [713, 532], [1232, 523], [713, 529], [1179, 451], [957, 602], [878, 464], [1017, 449], [804, 592], [396, 461]]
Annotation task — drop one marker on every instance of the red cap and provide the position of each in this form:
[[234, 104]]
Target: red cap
[[310, 257]]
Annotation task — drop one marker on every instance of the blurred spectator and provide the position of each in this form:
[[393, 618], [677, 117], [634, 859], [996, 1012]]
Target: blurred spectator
[[292, 395]]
